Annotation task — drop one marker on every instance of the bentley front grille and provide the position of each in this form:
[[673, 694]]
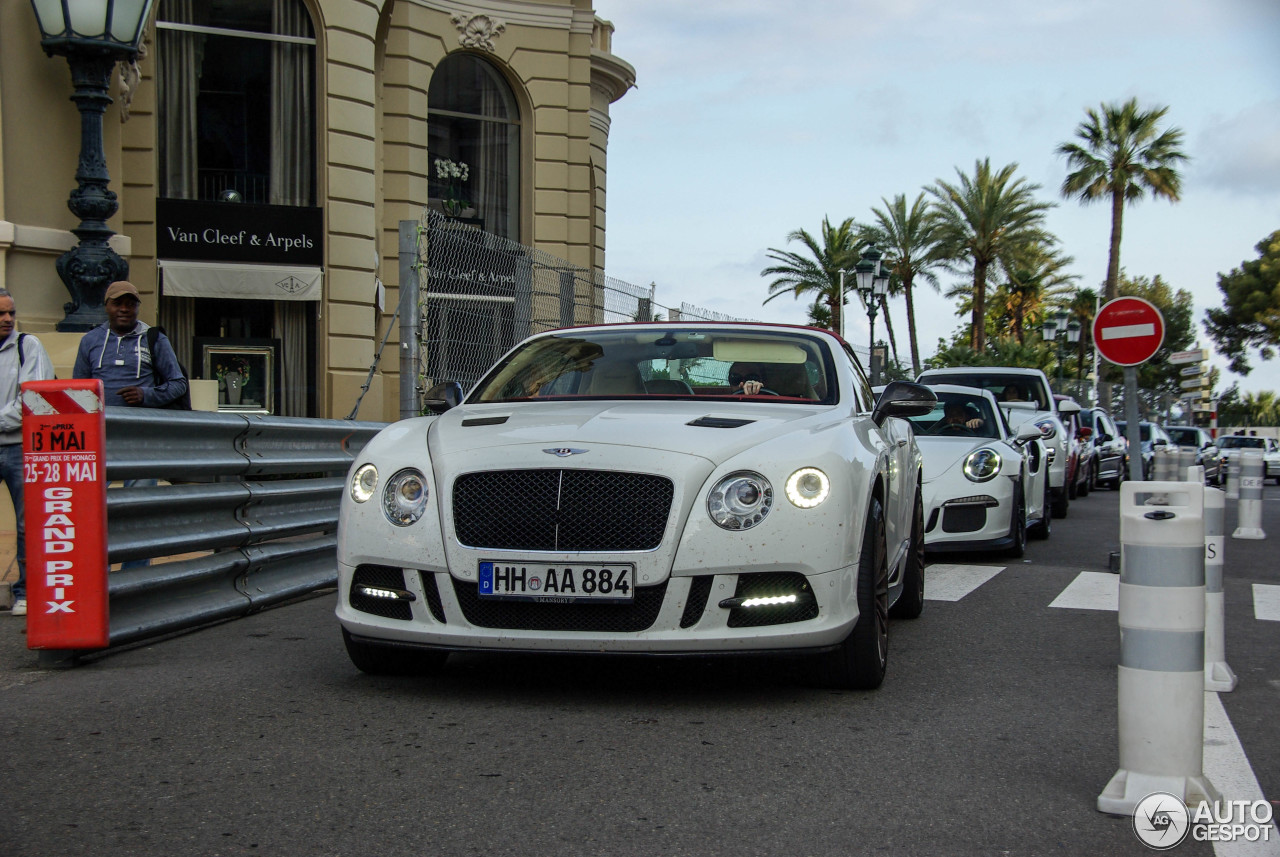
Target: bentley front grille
[[561, 510]]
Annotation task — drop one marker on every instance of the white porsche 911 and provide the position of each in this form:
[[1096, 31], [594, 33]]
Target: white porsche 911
[[666, 488], [986, 485]]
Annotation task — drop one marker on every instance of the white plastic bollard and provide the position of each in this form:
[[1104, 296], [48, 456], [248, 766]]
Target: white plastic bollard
[[1164, 466], [1161, 673], [1217, 675], [1231, 477], [1187, 463], [1249, 512]]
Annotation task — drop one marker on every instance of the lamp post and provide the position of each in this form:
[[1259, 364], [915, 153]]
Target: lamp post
[[873, 284], [93, 35], [1061, 327]]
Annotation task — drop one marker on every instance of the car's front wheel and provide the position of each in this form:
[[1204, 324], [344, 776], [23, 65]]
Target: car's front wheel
[[376, 659], [911, 602], [859, 662], [1018, 524], [1060, 502], [1044, 527]]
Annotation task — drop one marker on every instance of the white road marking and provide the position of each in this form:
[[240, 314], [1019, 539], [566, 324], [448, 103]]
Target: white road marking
[[1227, 767], [952, 582], [1091, 590], [1266, 602]]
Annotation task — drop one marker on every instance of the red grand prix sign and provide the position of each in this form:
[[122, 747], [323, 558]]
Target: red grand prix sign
[[65, 499], [1128, 331]]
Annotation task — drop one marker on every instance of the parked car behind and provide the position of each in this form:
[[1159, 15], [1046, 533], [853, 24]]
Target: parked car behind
[[1232, 445], [1024, 396], [1207, 453], [1153, 438], [1110, 449], [1080, 447]]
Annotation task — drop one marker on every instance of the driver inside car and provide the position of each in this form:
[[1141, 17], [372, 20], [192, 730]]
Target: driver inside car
[[956, 414], [746, 378]]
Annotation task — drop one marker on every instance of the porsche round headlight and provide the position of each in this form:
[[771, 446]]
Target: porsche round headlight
[[740, 500], [808, 487], [982, 465], [405, 497], [1048, 430], [363, 483]]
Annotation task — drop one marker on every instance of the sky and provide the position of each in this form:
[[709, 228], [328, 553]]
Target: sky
[[754, 118]]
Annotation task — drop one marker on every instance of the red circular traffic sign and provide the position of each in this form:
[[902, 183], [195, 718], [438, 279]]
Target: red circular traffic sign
[[1128, 331]]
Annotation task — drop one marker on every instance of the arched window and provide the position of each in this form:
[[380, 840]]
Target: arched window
[[235, 87], [474, 131]]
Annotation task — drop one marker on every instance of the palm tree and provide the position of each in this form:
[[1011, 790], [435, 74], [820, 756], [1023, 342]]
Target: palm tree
[[982, 219], [1035, 275], [908, 239], [817, 273], [1122, 153]]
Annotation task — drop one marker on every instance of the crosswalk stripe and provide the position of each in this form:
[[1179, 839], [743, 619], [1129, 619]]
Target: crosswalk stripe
[[1227, 767], [1266, 602], [944, 582], [1091, 590]]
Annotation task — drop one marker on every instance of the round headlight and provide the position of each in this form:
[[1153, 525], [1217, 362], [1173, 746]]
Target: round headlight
[[1048, 430], [982, 465], [740, 500], [808, 487], [405, 497], [364, 483]]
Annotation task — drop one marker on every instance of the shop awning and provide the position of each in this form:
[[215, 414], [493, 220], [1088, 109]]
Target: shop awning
[[243, 282]]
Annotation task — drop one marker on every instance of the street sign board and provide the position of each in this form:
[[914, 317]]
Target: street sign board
[[1128, 331], [1192, 383], [1188, 371], [1196, 355]]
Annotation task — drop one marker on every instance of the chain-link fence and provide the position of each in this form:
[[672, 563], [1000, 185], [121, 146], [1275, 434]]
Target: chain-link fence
[[479, 294]]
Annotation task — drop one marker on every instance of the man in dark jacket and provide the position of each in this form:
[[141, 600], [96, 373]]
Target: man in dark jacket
[[117, 352], [132, 374]]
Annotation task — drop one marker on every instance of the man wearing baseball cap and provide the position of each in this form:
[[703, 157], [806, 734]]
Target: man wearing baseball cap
[[116, 352]]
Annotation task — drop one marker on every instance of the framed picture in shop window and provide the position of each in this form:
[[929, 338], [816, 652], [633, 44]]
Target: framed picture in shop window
[[246, 371]]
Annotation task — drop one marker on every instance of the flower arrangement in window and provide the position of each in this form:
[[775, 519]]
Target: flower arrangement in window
[[453, 174], [237, 365]]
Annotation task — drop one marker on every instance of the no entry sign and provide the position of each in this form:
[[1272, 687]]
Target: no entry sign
[[1128, 331], [65, 495]]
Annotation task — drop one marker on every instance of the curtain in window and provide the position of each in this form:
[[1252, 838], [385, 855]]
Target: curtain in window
[[292, 168], [492, 189], [180, 58]]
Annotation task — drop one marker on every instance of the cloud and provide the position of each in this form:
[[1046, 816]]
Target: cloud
[[1241, 154]]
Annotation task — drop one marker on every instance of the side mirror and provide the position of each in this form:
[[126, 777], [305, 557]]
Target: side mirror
[[1068, 407], [903, 399], [442, 397], [1026, 432]]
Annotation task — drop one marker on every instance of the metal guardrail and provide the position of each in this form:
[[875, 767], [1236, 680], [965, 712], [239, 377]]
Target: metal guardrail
[[256, 496]]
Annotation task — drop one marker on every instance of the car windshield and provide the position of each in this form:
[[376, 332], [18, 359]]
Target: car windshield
[[958, 415], [1237, 442], [1184, 436], [629, 362], [1006, 388]]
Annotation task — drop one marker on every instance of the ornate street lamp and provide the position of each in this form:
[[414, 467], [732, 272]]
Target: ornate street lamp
[[93, 35], [872, 284]]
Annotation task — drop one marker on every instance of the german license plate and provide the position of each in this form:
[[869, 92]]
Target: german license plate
[[558, 584]]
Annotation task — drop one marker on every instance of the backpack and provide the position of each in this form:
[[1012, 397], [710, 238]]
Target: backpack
[[22, 357], [183, 402]]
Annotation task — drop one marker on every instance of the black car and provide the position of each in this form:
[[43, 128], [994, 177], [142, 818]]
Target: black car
[[1207, 454], [1110, 449]]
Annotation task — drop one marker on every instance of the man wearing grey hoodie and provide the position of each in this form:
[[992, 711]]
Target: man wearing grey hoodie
[[22, 358], [116, 351]]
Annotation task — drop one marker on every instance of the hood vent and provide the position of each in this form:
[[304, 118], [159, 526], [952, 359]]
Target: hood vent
[[720, 422], [485, 421]]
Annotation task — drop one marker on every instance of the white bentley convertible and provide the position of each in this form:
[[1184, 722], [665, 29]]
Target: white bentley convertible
[[986, 485], [658, 488]]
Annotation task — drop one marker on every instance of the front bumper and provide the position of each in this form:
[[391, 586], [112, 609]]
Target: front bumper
[[683, 614]]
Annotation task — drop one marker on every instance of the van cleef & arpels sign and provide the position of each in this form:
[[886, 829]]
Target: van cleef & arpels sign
[[239, 232]]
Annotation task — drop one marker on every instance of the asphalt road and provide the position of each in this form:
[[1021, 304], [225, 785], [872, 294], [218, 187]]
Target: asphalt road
[[994, 733]]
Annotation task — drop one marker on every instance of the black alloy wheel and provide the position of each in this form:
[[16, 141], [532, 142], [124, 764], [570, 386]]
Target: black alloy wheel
[[911, 602], [859, 662]]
